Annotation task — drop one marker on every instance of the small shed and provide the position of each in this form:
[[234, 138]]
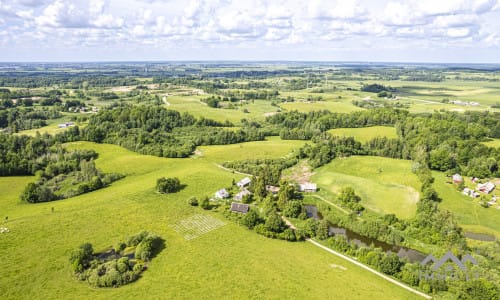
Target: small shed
[[240, 195], [221, 194], [308, 187], [244, 182], [240, 207], [457, 178]]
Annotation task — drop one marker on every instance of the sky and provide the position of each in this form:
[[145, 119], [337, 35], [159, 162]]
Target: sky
[[446, 31]]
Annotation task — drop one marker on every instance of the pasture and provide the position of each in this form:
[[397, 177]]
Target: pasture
[[233, 261], [256, 110], [365, 134], [385, 185]]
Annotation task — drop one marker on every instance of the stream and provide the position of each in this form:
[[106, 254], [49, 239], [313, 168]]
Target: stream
[[363, 241]]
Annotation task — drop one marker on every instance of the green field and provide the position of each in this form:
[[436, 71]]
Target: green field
[[228, 262], [385, 185], [365, 134], [192, 104], [388, 186], [466, 210]]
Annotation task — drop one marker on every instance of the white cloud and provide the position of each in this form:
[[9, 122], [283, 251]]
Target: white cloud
[[236, 24]]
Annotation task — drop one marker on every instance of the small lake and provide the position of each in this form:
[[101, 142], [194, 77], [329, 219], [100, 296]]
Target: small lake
[[479, 236], [363, 241]]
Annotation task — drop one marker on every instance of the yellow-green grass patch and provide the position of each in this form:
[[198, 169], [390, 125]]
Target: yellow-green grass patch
[[385, 185], [365, 134]]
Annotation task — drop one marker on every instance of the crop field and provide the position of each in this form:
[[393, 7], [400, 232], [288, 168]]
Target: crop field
[[36, 250], [385, 185], [196, 225], [365, 134]]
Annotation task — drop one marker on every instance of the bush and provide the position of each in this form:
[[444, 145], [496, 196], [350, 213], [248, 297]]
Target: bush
[[168, 185], [205, 203], [193, 201]]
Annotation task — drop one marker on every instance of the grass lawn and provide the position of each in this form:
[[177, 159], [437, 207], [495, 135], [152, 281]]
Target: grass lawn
[[342, 107], [385, 185], [228, 262], [193, 105], [365, 134], [271, 147]]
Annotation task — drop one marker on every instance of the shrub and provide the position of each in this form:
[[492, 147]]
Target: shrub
[[193, 201]]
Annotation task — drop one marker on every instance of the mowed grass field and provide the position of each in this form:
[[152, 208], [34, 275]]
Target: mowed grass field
[[365, 134], [230, 262], [385, 185], [192, 104]]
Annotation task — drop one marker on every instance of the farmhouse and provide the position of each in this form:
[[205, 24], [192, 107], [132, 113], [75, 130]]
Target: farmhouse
[[244, 182], [240, 195], [457, 178], [307, 187], [66, 125], [239, 207], [486, 187], [221, 194]]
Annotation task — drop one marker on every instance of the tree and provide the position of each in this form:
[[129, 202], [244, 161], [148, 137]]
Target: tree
[[275, 223], [390, 264], [251, 219], [193, 201], [168, 185], [292, 209], [322, 229], [205, 203]]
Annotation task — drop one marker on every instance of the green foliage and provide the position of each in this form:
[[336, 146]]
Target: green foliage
[[205, 203], [168, 185], [251, 219], [193, 201], [322, 229], [100, 271], [349, 198], [275, 223]]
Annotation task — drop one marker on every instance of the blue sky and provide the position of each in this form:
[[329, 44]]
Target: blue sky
[[381, 30]]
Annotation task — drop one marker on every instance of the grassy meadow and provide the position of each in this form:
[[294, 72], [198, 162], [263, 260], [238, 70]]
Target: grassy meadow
[[229, 262], [385, 185], [365, 134]]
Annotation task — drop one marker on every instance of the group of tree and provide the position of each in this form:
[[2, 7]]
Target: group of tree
[[157, 131], [114, 268], [76, 169]]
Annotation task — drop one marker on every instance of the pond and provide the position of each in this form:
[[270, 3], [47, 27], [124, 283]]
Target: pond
[[363, 241]]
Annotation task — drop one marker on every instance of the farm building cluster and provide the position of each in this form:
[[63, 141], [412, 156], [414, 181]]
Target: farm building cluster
[[485, 188], [237, 206]]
